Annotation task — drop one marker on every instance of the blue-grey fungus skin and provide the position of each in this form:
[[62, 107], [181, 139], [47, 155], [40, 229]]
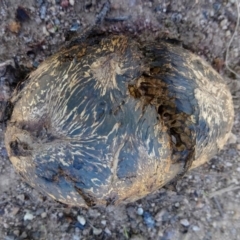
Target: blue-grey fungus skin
[[110, 120]]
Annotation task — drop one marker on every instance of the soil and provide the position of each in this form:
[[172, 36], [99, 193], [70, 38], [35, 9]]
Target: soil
[[205, 203]]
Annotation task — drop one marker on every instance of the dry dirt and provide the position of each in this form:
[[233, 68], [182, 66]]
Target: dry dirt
[[205, 203]]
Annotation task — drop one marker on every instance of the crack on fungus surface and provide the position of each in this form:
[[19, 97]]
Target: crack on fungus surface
[[150, 89]]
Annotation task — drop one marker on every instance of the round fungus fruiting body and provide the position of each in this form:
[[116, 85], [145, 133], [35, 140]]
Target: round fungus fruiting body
[[111, 120]]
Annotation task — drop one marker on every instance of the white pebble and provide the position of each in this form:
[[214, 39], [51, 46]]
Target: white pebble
[[45, 32], [28, 216], [107, 231], [185, 222], [195, 228], [140, 211], [97, 231], [228, 33], [71, 2], [228, 164], [81, 220], [177, 204], [104, 222], [75, 237], [43, 215]]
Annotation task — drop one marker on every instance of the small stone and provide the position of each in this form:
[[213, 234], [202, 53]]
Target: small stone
[[176, 17], [97, 231], [107, 231], [28, 216], [71, 2], [9, 237], [222, 23], [81, 220], [56, 21], [104, 222], [60, 214], [76, 237], [16, 232], [14, 27], [75, 26], [23, 235], [43, 11], [39, 211], [93, 213], [43, 215], [228, 164], [149, 221], [64, 3], [195, 228], [228, 33], [185, 222], [140, 211], [159, 215], [5, 225], [45, 32], [177, 204], [15, 210], [238, 146]]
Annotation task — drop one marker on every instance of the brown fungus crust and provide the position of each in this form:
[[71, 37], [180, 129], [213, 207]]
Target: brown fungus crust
[[110, 120]]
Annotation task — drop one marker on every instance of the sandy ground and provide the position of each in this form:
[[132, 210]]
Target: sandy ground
[[205, 204]]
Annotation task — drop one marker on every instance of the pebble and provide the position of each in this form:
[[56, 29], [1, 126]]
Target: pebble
[[140, 211], [76, 237], [21, 197], [43, 11], [97, 231], [9, 237], [177, 204], [148, 219], [104, 222], [224, 24], [176, 17], [43, 215], [39, 211], [93, 213], [81, 220], [228, 33], [71, 2], [60, 214], [14, 211], [28, 216], [195, 228], [185, 222], [228, 164], [159, 215], [23, 235], [16, 232], [238, 146], [45, 32], [75, 26], [107, 231], [56, 21], [64, 3]]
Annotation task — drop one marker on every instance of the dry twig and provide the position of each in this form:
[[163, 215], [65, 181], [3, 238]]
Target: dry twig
[[223, 190], [231, 40]]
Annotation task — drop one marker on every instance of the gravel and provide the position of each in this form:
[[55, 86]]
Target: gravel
[[187, 212]]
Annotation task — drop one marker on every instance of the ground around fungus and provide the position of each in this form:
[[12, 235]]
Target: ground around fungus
[[205, 203]]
